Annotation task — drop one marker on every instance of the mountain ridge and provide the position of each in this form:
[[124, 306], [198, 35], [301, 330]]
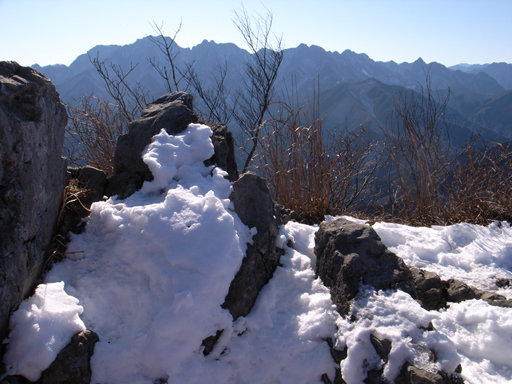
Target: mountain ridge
[[470, 89]]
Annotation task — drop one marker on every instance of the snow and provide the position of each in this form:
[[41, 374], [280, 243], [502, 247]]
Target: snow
[[475, 254], [150, 274], [40, 328]]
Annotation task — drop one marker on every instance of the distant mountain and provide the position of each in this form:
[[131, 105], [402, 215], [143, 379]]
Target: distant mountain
[[355, 89], [502, 72], [496, 114]]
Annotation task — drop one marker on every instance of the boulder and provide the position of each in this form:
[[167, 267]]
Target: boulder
[[174, 112], [428, 289], [253, 204], [73, 364], [348, 254], [32, 179]]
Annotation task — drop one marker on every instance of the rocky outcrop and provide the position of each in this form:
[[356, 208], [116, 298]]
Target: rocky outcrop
[[348, 254], [254, 206], [174, 112], [32, 179]]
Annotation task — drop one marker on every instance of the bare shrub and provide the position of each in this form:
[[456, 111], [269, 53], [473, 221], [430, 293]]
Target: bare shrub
[[261, 71], [419, 154], [308, 174], [479, 186], [92, 133]]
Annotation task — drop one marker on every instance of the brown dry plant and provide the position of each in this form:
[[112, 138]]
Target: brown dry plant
[[93, 131]]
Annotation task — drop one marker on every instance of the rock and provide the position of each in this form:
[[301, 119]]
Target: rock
[[86, 185], [457, 291], [209, 342], [504, 283], [413, 375], [429, 289], [254, 206], [72, 364], [32, 179], [382, 347], [174, 112], [349, 253], [93, 180], [224, 157]]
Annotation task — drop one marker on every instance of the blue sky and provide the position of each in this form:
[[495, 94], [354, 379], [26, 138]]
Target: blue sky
[[446, 31]]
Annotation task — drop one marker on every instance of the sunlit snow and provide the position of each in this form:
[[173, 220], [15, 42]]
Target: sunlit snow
[[151, 272]]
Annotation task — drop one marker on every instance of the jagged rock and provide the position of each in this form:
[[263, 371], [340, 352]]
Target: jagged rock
[[429, 290], [224, 157], [457, 291], [349, 253], [174, 112], [254, 206], [32, 179], [72, 364]]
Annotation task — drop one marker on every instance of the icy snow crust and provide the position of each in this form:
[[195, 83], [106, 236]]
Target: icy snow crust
[[152, 271]]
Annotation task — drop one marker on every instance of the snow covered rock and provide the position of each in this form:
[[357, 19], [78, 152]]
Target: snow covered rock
[[255, 208], [174, 112], [32, 179], [349, 254]]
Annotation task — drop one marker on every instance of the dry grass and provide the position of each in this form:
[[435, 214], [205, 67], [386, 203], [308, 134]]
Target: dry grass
[[93, 131], [309, 174]]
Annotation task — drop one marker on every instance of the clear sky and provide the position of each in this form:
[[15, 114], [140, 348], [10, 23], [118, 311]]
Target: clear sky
[[446, 31]]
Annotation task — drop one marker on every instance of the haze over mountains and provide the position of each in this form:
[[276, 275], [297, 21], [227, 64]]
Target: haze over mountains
[[355, 89]]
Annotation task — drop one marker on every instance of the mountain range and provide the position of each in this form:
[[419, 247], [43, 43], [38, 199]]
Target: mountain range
[[354, 89]]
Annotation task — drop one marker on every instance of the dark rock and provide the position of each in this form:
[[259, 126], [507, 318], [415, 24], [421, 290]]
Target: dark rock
[[72, 364], [325, 379], [286, 215], [382, 347], [349, 253], [337, 378], [174, 112], [224, 156], [252, 202], [413, 375], [209, 342], [429, 289], [457, 291], [16, 380], [32, 179], [337, 354], [93, 180], [504, 283], [86, 185], [374, 376]]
